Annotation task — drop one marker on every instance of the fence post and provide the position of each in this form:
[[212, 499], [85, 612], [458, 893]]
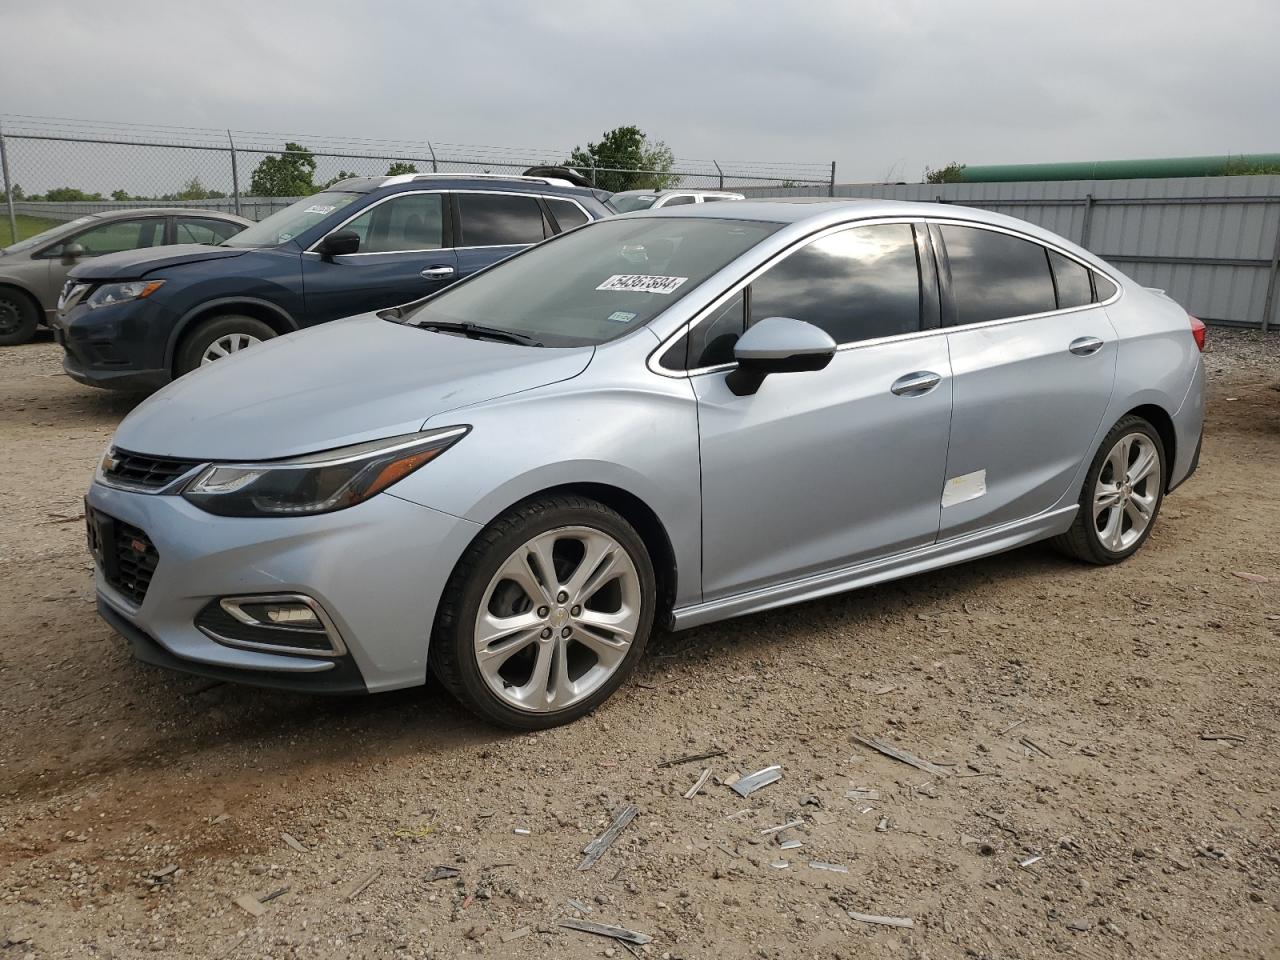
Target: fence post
[[1267, 304], [434, 169], [1086, 228], [235, 175], [8, 190], [721, 172], [831, 189]]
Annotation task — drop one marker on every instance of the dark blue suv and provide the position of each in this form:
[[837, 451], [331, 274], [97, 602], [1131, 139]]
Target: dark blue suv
[[136, 320]]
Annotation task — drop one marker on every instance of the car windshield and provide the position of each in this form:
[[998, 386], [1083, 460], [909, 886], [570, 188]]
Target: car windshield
[[284, 225], [628, 202], [46, 235], [596, 283]]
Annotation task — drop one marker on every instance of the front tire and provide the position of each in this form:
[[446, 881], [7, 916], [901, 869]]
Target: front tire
[[1121, 497], [546, 614], [19, 317], [217, 338]]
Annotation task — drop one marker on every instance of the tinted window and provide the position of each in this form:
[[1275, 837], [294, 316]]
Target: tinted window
[[414, 221], [713, 199], [677, 201], [116, 236], [1105, 288], [711, 342], [994, 275], [495, 219], [567, 214], [204, 231], [1072, 280], [610, 277], [856, 284]]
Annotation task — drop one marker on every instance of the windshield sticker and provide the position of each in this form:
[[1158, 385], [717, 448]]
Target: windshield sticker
[[621, 316], [281, 238], [321, 208], [640, 283]]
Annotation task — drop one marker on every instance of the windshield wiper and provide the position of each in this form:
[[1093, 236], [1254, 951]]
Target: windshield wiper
[[476, 331]]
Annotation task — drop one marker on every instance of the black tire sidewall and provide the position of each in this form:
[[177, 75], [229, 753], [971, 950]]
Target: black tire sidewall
[[197, 341], [28, 318], [458, 634], [1126, 426]]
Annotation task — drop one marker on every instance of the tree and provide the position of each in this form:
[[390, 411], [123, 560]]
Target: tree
[[400, 167], [288, 175], [626, 159], [120, 196], [342, 175], [952, 173], [194, 190], [69, 194], [18, 194]]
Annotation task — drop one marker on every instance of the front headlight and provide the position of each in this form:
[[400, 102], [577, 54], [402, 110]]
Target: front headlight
[[319, 482], [110, 293]]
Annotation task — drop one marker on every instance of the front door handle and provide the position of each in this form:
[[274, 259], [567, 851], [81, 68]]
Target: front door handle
[[438, 273], [1083, 346], [915, 384]]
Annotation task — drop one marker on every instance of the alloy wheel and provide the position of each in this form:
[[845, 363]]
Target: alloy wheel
[[10, 317], [226, 345], [557, 619], [1127, 492]]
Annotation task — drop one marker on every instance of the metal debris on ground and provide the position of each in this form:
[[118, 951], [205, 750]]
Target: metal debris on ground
[[360, 885], [607, 930], [732, 853], [780, 827], [1030, 860], [1032, 745], [886, 921], [1012, 726], [780, 864], [442, 873], [862, 793], [740, 814], [887, 688], [1230, 737], [595, 849], [790, 844], [692, 758], [889, 750], [698, 785], [579, 906], [521, 831], [250, 904], [883, 825], [274, 894], [516, 934], [291, 841], [163, 872], [829, 867], [745, 786]]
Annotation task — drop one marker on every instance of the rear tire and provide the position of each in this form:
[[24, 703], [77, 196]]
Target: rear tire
[[221, 336], [528, 649], [19, 317], [1121, 496]]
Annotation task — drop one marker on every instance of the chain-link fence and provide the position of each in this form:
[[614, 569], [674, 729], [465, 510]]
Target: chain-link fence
[[62, 169]]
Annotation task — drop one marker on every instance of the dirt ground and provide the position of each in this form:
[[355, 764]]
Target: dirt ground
[[1069, 706]]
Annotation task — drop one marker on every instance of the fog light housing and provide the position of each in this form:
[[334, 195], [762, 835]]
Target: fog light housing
[[279, 623]]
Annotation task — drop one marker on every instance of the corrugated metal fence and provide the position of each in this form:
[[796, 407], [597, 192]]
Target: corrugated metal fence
[[1213, 243]]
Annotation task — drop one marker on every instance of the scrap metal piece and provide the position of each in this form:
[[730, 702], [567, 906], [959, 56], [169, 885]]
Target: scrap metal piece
[[606, 930], [360, 885], [780, 864], [442, 873], [292, 842], [250, 904], [790, 844], [886, 921], [830, 867], [691, 758], [1030, 860], [701, 782], [862, 793], [889, 750], [752, 782], [1032, 745], [780, 827], [596, 848]]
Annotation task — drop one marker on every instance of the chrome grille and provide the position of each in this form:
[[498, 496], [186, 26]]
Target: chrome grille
[[140, 470]]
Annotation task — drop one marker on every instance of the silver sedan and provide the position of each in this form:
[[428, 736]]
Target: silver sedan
[[665, 418]]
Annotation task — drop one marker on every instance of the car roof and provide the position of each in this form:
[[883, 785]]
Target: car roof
[[549, 185], [671, 190], [167, 212]]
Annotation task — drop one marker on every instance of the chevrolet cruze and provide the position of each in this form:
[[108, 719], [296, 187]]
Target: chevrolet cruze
[[665, 418]]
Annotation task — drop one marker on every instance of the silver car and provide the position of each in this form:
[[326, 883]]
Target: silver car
[[665, 418], [32, 271], [631, 201]]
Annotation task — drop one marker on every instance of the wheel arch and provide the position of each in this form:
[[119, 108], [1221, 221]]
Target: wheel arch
[[1160, 419], [269, 313], [7, 285]]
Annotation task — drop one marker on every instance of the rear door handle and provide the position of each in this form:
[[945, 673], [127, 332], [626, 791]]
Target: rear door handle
[[1083, 346], [915, 384], [438, 273]]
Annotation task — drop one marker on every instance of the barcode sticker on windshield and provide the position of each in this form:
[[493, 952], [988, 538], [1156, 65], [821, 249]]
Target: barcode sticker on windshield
[[640, 283], [320, 208]]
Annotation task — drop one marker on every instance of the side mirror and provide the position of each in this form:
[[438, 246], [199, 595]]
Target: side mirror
[[778, 345], [72, 252], [339, 244]]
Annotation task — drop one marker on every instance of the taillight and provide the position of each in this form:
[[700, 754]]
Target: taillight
[[1197, 331]]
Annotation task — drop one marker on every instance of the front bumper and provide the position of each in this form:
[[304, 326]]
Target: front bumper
[[377, 569], [118, 347]]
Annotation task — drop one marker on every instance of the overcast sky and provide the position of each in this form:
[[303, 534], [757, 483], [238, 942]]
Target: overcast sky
[[882, 88]]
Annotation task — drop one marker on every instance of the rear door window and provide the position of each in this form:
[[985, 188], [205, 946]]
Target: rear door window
[[204, 230], [499, 219], [995, 276], [1071, 279]]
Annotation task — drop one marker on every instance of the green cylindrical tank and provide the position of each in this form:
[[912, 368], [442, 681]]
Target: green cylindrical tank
[[1121, 169]]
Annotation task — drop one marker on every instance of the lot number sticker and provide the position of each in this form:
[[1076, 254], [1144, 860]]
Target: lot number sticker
[[640, 283]]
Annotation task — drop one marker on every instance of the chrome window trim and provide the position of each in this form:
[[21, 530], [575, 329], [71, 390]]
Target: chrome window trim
[[337, 648], [407, 193], [653, 360]]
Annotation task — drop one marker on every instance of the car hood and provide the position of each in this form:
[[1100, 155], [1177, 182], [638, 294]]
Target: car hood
[[340, 383], [131, 264]]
